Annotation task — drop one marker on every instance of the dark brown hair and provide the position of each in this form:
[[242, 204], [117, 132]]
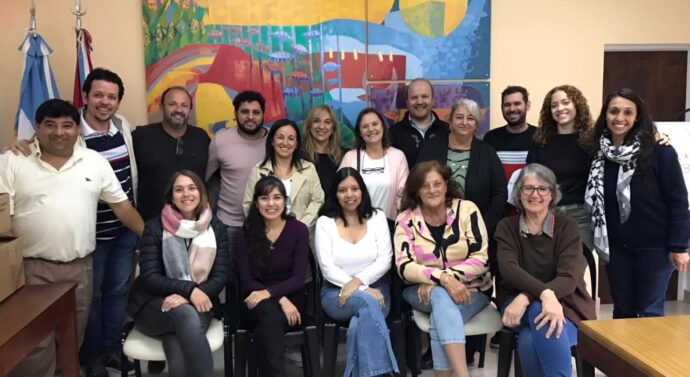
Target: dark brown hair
[[203, 196], [415, 181]]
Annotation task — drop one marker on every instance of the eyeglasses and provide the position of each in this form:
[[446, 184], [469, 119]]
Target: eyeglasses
[[541, 190], [178, 148]]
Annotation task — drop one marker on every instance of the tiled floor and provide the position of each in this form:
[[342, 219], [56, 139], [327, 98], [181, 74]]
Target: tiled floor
[[605, 311]]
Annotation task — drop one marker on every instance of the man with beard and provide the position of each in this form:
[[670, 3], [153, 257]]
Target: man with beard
[[235, 151], [514, 140], [419, 123], [164, 148]]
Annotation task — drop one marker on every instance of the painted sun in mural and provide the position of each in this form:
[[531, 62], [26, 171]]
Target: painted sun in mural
[[433, 18]]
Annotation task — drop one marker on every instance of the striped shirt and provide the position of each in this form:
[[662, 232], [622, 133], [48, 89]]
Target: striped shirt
[[111, 145]]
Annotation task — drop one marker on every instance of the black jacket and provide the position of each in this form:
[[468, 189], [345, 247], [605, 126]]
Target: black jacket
[[485, 184], [152, 281], [409, 141]]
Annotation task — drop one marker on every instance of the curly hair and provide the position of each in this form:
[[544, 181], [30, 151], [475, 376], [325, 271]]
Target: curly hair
[[334, 151], [410, 195], [583, 118]]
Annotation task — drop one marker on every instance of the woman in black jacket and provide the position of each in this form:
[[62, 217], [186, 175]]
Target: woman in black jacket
[[184, 263]]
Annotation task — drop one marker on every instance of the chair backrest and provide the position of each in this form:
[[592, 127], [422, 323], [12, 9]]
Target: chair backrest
[[589, 256]]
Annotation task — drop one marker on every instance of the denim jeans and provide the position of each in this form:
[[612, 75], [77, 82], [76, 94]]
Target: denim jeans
[[446, 320], [634, 296], [540, 356], [183, 333], [369, 350], [112, 268]]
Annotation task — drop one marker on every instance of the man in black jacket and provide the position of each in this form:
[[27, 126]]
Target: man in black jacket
[[419, 123]]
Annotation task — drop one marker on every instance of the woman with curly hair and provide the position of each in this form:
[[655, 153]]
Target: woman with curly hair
[[562, 144], [322, 143]]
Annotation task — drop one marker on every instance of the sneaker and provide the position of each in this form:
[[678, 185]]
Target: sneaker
[[293, 356], [493, 343], [113, 360], [96, 370], [156, 367]]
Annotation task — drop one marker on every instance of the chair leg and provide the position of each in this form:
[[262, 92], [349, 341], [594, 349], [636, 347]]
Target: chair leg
[[584, 369], [252, 366], [481, 347], [518, 365], [227, 355], [310, 358], [137, 368], [505, 352], [240, 353], [330, 349], [398, 344]]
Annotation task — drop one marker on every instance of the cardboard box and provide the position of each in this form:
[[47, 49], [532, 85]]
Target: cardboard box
[[11, 266], [5, 221]]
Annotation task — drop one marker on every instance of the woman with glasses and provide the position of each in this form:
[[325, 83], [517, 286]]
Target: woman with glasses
[[285, 161], [383, 168], [441, 249], [322, 143], [542, 294], [272, 259]]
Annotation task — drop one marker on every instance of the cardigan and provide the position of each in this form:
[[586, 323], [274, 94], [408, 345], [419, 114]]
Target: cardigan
[[286, 267], [485, 184], [659, 217], [462, 253], [398, 170], [341, 260], [530, 264], [152, 281], [305, 192]]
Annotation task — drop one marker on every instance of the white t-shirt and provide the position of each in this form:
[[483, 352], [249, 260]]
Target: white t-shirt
[[377, 177], [54, 211], [340, 260], [288, 186]]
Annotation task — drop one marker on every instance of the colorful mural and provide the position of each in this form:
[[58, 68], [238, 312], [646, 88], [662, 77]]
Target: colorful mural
[[344, 53]]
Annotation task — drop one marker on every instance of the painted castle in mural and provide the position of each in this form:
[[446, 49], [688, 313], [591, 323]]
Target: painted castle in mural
[[348, 54]]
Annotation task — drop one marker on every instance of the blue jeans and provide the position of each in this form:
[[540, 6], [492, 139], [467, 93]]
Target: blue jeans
[[447, 319], [369, 350], [639, 280], [540, 356], [183, 333], [112, 268]]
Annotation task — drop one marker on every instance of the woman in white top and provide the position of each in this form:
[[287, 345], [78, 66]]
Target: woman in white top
[[354, 251], [383, 168]]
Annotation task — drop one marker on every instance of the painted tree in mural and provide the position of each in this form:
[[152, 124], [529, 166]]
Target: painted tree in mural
[[343, 53]]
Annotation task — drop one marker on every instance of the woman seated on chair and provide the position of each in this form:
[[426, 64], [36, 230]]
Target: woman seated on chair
[[542, 294], [441, 248], [354, 251], [272, 257], [184, 264]]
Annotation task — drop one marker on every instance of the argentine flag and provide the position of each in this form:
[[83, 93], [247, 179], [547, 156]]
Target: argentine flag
[[38, 83]]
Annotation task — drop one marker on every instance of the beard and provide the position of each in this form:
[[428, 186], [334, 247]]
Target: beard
[[249, 131], [519, 122], [176, 123]]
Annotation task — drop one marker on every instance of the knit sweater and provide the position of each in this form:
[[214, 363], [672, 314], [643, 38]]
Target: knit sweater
[[462, 253], [531, 263]]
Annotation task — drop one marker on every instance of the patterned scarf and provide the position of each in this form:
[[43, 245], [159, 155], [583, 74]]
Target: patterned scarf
[[626, 157], [192, 261]]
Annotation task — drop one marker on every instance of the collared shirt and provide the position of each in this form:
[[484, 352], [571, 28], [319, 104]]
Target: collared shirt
[[547, 229], [54, 211], [422, 132]]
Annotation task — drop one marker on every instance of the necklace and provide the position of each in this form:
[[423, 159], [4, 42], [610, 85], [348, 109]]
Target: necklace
[[433, 220]]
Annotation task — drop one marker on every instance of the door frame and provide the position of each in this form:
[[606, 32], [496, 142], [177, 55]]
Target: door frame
[[683, 277]]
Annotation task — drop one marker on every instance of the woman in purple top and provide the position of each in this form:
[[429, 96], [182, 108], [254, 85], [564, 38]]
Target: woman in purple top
[[272, 263]]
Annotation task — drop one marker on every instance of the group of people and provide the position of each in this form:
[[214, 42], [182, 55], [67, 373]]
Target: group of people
[[453, 214]]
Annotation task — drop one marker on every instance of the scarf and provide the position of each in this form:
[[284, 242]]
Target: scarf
[[626, 157], [183, 261]]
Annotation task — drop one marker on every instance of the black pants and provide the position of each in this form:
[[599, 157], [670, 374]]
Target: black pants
[[269, 325], [183, 333]]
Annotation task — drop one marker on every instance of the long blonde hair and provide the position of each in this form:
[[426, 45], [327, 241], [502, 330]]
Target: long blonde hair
[[333, 149]]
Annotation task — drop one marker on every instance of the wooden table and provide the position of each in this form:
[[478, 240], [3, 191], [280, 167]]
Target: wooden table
[[30, 315], [637, 347]]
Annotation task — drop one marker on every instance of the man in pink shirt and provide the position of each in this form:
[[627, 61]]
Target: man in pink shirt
[[235, 151]]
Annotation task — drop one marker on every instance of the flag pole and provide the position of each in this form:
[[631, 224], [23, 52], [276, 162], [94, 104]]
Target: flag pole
[[78, 12], [32, 23]]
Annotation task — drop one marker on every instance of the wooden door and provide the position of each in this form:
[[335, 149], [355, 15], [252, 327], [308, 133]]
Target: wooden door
[[660, 77]]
